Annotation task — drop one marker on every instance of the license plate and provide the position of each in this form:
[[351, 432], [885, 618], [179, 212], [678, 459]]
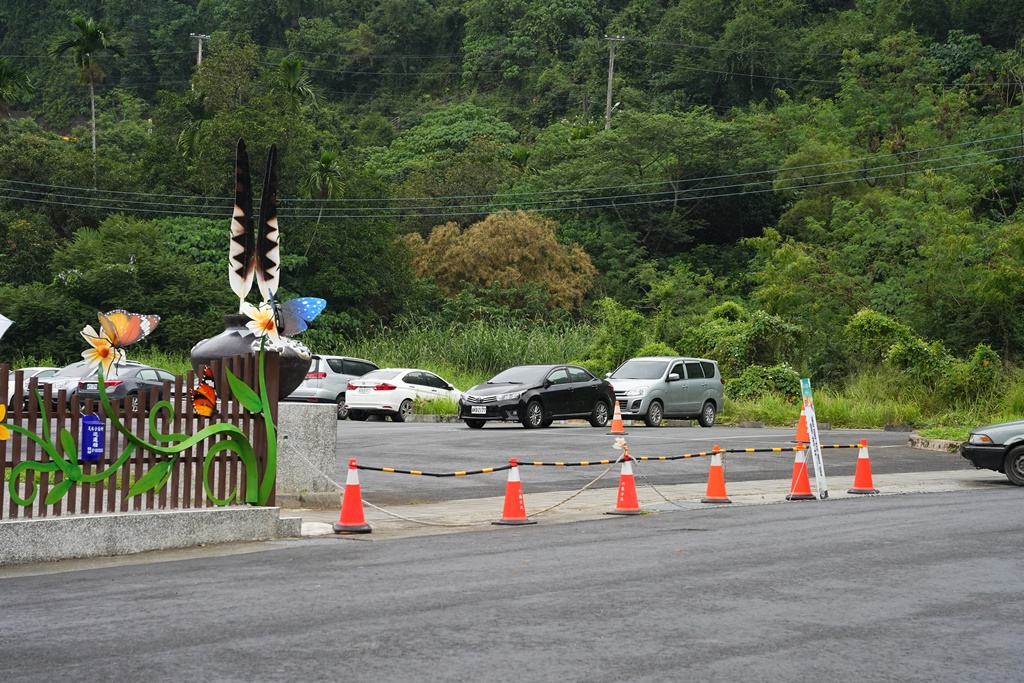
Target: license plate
[[478, 410], [90, 385], [363, 390]]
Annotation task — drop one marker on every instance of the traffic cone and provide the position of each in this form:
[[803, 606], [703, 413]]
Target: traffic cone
[[627, 502], [802, 436], [716, 481], [515, 507], [800, 488], [352, 520], [862, 477], [616, 422]]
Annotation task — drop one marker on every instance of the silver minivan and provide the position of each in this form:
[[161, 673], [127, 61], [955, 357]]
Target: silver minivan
[[654, 388], [328, 378]]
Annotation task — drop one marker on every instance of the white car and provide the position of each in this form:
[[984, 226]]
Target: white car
[[391, 391], [27, 374]]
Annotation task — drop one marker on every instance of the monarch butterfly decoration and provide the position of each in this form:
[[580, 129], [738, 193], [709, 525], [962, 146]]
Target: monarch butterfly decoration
[[123, 328], [254, 254], [204, 396]]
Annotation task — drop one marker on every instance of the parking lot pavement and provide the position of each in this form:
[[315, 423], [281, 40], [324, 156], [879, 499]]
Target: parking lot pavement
[[559, 507]]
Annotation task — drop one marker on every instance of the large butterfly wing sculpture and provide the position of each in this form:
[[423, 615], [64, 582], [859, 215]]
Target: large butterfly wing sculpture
[[254, 255], [204, 396], [293, 316], [123, 328]]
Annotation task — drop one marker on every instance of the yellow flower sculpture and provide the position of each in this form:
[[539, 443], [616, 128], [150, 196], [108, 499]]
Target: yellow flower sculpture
[[102, 353], [4, 432], [263, 322]]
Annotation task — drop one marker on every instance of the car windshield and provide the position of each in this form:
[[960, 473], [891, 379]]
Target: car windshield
[[523, 374], [380, 374], [640, 369], [75, 370]]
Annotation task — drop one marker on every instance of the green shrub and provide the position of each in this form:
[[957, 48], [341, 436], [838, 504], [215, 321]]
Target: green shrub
[[758, 381]]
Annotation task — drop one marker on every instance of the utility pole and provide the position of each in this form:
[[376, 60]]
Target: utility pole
[[200, 37], [611, 76]]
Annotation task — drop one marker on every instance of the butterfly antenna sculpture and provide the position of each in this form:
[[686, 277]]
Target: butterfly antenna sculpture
[[254, 255]]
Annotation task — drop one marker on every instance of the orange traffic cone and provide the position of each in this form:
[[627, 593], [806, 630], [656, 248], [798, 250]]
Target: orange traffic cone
[[802, 436], [862, 477], [617, 422], [515, 507], [627, 502], [716, 481], [800, 488], [352, 520]]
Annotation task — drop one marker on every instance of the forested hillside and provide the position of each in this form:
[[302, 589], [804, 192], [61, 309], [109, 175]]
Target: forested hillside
[[815, 184]]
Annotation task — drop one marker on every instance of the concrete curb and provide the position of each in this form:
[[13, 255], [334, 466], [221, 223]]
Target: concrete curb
[[944, 445]]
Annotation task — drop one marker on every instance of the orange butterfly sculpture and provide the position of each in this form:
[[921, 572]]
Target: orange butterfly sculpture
[[204, 396], [123, 328]]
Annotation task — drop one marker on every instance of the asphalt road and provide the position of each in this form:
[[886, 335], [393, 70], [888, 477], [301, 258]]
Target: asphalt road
[[884, 588], [450, 447]]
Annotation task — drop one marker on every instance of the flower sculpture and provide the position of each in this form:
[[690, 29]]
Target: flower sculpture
[[102, 352]]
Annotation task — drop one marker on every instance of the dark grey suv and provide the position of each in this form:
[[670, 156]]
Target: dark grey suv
[[327, 379], [653, 388]]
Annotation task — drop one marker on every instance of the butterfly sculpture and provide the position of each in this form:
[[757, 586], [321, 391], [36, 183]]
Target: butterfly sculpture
[[293, 316], [254, 254], [204, 396], [123, 328]]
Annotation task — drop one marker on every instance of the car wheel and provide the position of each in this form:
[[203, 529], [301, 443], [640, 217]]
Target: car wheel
[[707, 415], [404, 411], [131, 402], [1013, 466], [342, 410], [547, 422], [654, 415], [533, 416], [475, 424], [357, 415], [599, 415]]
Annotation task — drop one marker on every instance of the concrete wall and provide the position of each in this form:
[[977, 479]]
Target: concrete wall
[[307, 447], [124, 533]]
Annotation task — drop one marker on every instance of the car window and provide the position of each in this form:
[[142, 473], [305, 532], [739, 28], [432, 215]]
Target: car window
[[147, 375], [435, 381], [580, 375], [709, 368], [164, 376], [521, 374], [678, 369], [358, 368], [694, 370], [559, 376], [45, 373], [74, 370], [336, 364], [415, 378], [641, 369]]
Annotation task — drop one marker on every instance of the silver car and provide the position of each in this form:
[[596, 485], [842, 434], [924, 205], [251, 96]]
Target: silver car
[[653, 388], [327, 379]]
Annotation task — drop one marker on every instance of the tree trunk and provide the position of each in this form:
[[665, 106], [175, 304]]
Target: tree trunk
[[92, 105]]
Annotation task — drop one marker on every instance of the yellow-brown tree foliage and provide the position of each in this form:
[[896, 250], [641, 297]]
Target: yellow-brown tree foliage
[[513, 249]]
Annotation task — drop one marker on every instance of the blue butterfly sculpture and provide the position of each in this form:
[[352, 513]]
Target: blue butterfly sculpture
[[293, 316]]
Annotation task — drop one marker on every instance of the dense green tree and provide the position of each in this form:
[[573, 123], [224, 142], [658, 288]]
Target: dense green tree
[[14, 82]]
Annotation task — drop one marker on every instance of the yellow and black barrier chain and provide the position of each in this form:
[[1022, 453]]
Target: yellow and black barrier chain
[[784, 450], [418, 473]]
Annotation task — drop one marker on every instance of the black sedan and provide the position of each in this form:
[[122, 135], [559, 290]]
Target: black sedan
[[998, 447], [537, 395], [131, 380]]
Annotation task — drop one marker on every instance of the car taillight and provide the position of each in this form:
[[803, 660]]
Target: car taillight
[[316, 375], [111, 383], [350, 387], [384, 386]]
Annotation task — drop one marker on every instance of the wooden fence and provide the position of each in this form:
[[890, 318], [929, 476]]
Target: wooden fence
[[185, 487]]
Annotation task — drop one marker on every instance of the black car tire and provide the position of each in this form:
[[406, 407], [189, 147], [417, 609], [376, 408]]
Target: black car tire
[[1013, 466], [599, 415], [404, 411], [357, 415], [533, 416], [655, 413], [547, 422], [474, 424], [131, 402], [707, 415], [342, 410]]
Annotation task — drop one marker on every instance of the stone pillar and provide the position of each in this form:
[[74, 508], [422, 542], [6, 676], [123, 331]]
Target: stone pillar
[[307, 446]]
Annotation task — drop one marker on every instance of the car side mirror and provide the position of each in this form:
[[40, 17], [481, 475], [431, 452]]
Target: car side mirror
[[673, 376], [547, 383], [450, 387], [608, 375]]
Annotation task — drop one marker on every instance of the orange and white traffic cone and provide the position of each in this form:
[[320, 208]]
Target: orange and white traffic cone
[[352, 520], [515, 506], [800, 487], [716, 481], [802, 435], [862, 477], [627, 502], [617, 427]]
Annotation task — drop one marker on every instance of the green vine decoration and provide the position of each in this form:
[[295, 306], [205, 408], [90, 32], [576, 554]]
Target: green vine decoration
[[64, 456]]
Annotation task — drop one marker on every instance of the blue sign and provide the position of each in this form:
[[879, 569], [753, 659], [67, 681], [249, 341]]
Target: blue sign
[[93, 436]]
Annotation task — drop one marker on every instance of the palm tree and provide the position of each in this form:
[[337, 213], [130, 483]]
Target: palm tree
[[90, 39], [325, 181], [296, 86], [13, 82]]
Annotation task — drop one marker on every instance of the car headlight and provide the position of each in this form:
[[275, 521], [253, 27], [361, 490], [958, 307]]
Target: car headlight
[[980, 438], [511, 396], [639, 391]]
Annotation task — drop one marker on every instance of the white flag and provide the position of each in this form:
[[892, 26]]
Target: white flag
[[4, 324]]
